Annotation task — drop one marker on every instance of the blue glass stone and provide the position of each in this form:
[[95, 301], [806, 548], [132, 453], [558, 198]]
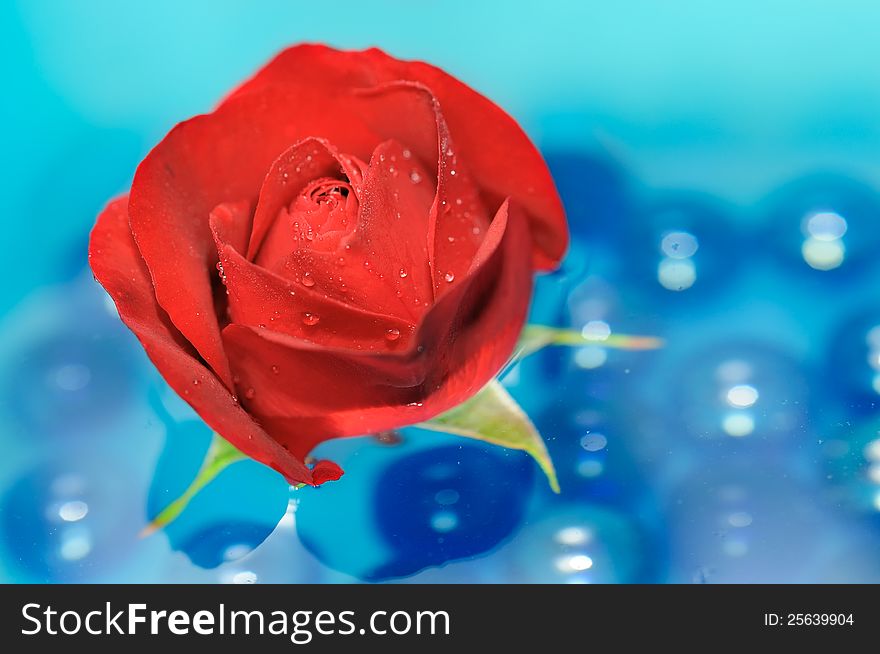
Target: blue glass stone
[[739, 520], [824, 225], [739, 395], [683, 247], [69, 520], [585, 543], [851, 370], [852, 465], [428, 501], [68, 367]]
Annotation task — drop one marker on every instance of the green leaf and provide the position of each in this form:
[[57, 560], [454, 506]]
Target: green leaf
[[492, 415], [536, 337], [219, 456]]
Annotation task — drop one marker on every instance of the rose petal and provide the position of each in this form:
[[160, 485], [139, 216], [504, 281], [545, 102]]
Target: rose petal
[[119, 268], [384, 263], [295, 167], [501, 158], [212, 159], [462, 343], [260, 298], [457, 219], [231, 222]]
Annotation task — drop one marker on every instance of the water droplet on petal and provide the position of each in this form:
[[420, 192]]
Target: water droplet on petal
[[415, 177], [275, 370], [310, 319], [250, 393], [308, 280], [392, 334], [403, 273], [449, 277]]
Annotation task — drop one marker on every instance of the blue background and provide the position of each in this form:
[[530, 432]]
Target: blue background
[[726, 125]]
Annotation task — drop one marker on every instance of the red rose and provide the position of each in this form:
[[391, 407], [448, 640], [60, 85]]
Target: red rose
[[344, 246]]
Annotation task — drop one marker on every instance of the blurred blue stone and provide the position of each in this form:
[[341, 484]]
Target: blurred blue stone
[[852, 463], [69, 519], [824, 226], [449, 503], [68, 367], [740, 395], [683, 247], [585, 543], [747, 520], [851, 370], [431, 500]]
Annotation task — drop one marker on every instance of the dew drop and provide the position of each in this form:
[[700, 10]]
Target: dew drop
[[392, 334], [403, 273], [310, 319], [275, 370], [415, 177], [449, 277], [308, 280], [195, 382], [250, 393], [406, 154]]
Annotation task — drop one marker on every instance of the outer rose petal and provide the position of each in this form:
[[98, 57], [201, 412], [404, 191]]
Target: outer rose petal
[[209, 160], [500, 156], [461, 344], [119, 268]]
